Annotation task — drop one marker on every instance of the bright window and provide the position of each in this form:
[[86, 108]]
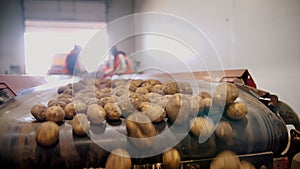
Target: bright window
[[47, 41]]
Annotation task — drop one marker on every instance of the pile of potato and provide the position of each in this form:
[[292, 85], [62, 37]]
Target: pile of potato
[[142, 103]]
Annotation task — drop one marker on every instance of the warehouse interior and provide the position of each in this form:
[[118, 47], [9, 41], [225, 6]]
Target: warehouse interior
[[166, 36]]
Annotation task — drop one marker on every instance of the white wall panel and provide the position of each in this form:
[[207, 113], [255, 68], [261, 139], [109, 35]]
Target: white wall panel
[[262, 36]]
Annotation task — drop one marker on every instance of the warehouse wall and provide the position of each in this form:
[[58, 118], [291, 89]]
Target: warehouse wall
[[262, 36], [117, 9], [11, 37]]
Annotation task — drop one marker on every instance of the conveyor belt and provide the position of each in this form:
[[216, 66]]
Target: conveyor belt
[[261, 131]]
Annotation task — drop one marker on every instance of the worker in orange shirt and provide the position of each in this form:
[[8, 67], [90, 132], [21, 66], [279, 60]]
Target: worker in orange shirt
[[119, 64]]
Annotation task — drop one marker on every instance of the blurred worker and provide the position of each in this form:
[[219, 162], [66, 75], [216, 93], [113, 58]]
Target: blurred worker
[[118, 64], [72, 63]]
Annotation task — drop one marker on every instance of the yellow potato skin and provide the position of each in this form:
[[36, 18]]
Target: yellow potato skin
[[171, 159], [47, 133]]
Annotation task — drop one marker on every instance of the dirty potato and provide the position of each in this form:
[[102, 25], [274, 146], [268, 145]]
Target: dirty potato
[[61, 89], [80, 124], [204, 94], [69, 111], [153, 82], [113, 111], [178, 108], [224, 131], [170, 87], [80, 107], [202, 126], [156, 98], [55, 113], [205, 104], [139, 125], [226, 160], [185, 88], [118, 158], [67, 100], [154, 112], [194, 103], [136, 100], [237, 111], [60, 103], [126, 106], [47, 133], [103, 101], [38, 111], [226, 93], [142, 90], [96, 113], [171, 159], [247, 165]]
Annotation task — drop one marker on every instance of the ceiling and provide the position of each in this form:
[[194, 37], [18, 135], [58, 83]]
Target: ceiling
[[66, 10]]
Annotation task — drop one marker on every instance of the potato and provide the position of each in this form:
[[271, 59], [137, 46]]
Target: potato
[[194, 103], [247, 165], [118, 82], [157, 87], [55, 113], [57, 103], [61, 89], [224, 131], [103, 101], [80, 107], [205, 104], [204, 94], [237, 111], [142, 90], [118, 159], [202, 126], [113, 111], [68, 91], [170, 87], [171, 159], [226, 93], [178, 108], [226, 160], [168, 97], [153, 111], [148, 86], [77, 87], [70, 111], [136, 82], [199, 104], [61, 96], [185, 88], [38, 111], [136, 100], [67, 100], [139, 125], [96, 114], [132, 88], [126, 106], [156, 98], [47, 134], [153, 82], [119, 91], [90, 101], [80, 124], [105, 92]]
